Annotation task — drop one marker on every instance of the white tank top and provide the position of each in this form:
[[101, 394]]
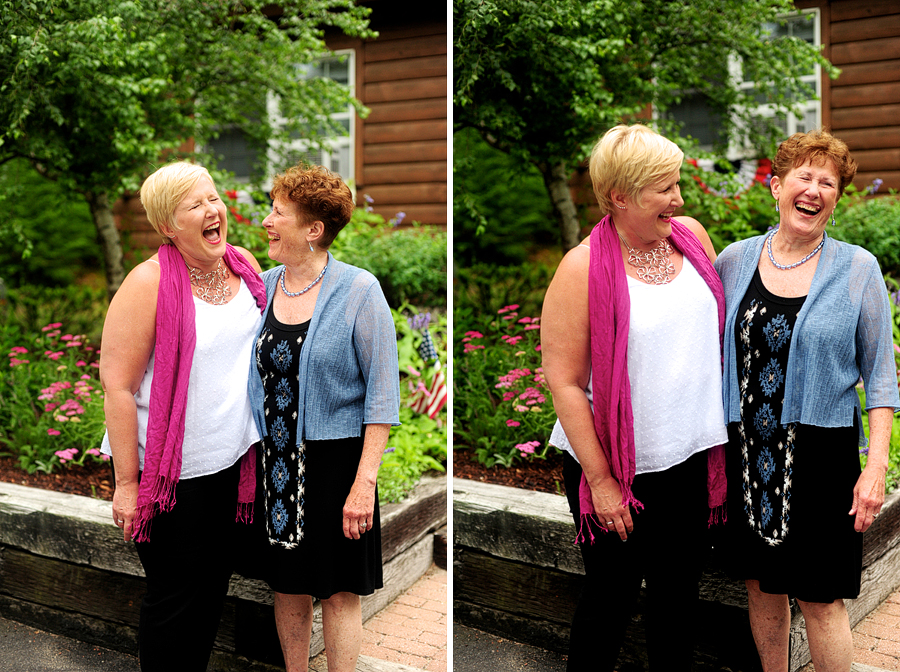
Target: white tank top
[[675, 371], [219, 426]]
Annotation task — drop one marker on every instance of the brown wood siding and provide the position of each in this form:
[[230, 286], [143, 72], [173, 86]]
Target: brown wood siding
[[864, 101], [401, 147]]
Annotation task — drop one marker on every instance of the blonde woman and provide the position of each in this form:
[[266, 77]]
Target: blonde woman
[[630, 333]]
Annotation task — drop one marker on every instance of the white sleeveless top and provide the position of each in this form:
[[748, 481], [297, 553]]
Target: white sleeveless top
[[675, 371], [219, 426]]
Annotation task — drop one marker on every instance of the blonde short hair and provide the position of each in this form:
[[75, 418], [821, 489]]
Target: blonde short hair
[[165, 189], [629, 158]]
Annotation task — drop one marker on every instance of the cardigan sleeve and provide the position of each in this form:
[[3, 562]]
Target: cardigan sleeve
[[375, 343], [874, 337]]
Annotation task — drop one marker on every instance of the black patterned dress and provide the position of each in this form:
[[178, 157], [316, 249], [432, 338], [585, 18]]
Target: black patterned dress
[[297, 543], [789, 486]]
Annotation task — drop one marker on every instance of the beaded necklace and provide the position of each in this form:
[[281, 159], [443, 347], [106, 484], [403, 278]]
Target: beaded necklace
[[782, 267]]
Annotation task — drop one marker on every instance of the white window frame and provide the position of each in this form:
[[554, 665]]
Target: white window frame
[[322, 156], [812, 105], [738, 151]]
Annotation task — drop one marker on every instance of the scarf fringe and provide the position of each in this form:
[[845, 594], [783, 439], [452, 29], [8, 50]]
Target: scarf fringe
[[718, 514], [140, 524], [244, 513]]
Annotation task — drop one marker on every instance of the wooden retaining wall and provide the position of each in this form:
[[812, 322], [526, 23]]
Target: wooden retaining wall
[[65, 569], [517, 574]]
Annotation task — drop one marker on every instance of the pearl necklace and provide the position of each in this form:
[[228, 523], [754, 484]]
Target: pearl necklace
[[307, 288], [211, 287], [653, 267], [782, 267]]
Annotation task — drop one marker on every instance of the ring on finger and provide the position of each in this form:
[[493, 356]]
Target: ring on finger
[[363, 525]]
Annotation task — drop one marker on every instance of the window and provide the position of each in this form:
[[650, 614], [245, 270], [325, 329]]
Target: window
[[701, 121], [239, 156], [338, 154], [806, 26]]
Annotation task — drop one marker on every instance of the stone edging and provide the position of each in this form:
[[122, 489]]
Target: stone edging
[[64, 568]]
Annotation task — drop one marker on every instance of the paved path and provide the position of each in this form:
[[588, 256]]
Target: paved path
[[876, 639], [411, 631], [408, 635]]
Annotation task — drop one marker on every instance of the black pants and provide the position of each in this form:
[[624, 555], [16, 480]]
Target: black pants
[[188, 562], [667, 549]]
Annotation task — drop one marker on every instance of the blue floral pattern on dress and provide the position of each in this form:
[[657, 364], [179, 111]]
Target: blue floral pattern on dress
[[765, 422], [283, 394], [765, 510], [280, 433], [777, 332], [282, 357], [280, 475], [279, 516], [771, 377], [765, 465]]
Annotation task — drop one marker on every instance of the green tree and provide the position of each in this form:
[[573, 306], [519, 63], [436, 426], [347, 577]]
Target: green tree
[[93, 93], [543, 80]]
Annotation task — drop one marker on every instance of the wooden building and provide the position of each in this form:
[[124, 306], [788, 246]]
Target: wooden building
[[397, 156], [401, 147], [862, 106]]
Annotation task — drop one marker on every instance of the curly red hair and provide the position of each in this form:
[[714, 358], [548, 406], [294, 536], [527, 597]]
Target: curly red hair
[[319, 195], [815, 147]]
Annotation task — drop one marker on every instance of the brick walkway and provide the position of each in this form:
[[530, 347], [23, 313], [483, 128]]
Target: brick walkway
[[876, 638], [412, 630]]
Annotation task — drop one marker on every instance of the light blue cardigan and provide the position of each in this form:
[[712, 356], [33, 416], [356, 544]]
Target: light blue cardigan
[[843, 331], [348, 364]]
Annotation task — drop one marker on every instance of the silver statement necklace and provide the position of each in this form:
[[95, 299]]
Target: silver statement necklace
[[653, 267], [212, 287], [782, 267], [305, 289]]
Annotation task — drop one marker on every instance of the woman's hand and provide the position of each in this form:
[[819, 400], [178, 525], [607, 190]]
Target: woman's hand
[[359, 509], [607, 498], [124, 505], [868, 495]]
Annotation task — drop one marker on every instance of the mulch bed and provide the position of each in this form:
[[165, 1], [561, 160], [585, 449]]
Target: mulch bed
[[95, 480], [91, 480], [540, 475]]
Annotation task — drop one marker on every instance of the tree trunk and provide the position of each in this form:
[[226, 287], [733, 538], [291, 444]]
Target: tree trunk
[[109, 238], [556, 179]]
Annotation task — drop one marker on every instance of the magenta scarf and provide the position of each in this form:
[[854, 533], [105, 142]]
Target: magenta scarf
[[609, 307], [176, 337]]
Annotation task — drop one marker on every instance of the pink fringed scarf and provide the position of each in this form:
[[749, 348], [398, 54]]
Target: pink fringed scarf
[[610, 311], [176, 337]]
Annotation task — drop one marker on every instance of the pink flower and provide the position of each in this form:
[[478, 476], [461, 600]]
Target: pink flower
[[474, 334], [509, 396], [85, 377], [54, 432], [468, 347], [93, 451], [16, 362], [537, 348], [18, 350], [506, 309], [513, 423], [81, 362], [67, 337], [54, 325], [532, 326], [64, 455], [73, 344], [520, 408], [527, 447]]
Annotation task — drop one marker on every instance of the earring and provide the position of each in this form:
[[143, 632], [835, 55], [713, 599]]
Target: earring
[[832, 218], [620, 207], [311, 247], [776, 206]]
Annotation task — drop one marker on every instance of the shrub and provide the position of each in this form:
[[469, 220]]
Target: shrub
[[871, 222]]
